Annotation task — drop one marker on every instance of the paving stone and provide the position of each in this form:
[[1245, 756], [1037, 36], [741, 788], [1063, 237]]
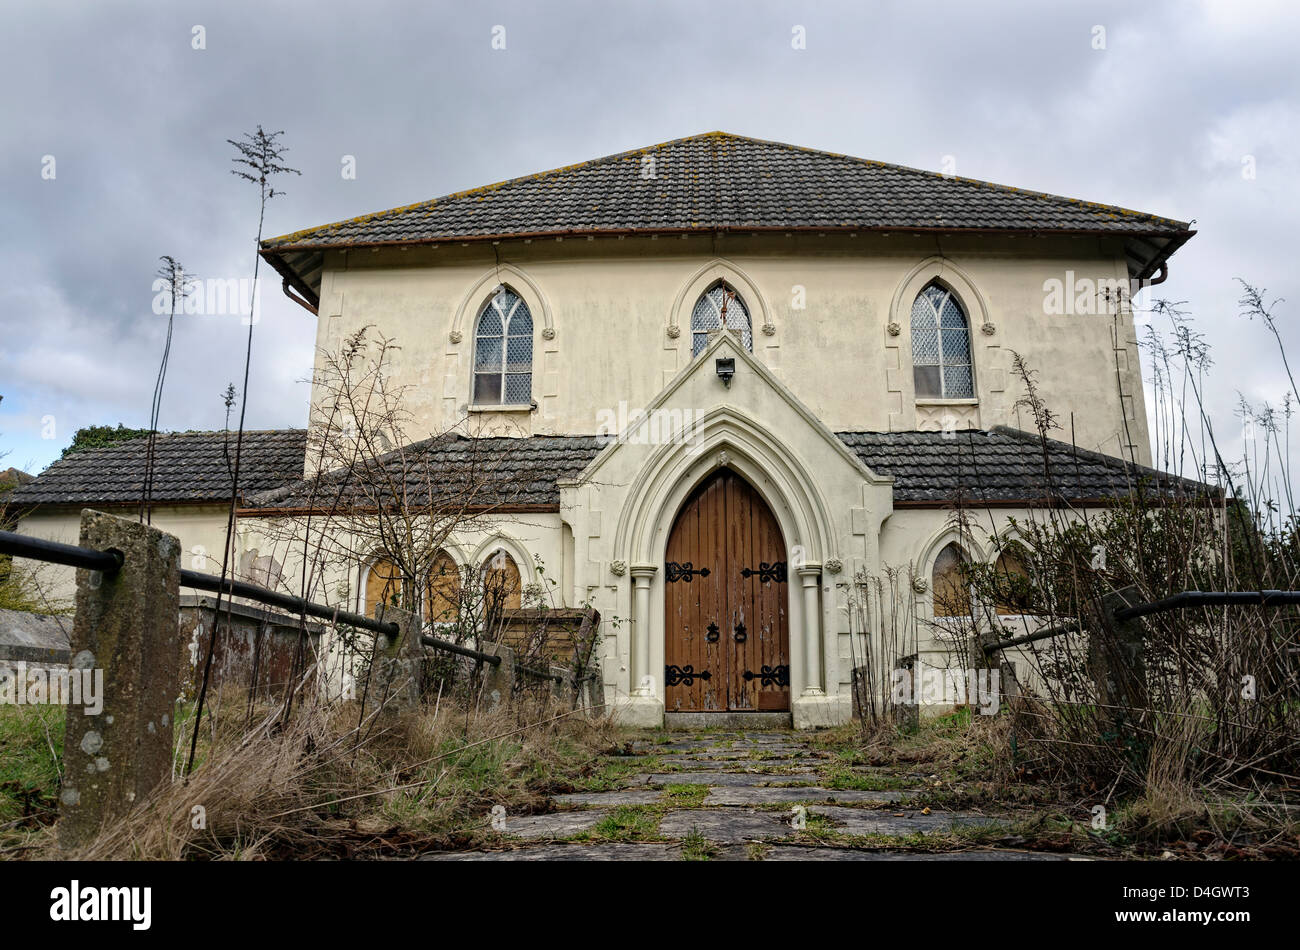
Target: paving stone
[[560, 824], [770, 796], [862, 821], [794, 853], [726, 825], [729, 778], [562, 851], [743, 761], [630, 796]]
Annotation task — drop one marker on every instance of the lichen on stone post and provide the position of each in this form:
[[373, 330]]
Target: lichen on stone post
[[397, 664], [126, 635]]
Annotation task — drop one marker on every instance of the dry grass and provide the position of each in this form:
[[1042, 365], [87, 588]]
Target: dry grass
[[331, 784]]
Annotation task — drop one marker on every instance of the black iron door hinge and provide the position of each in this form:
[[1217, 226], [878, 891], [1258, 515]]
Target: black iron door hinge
[[683, 675], [684, 572], [767, 572], [770, 676]]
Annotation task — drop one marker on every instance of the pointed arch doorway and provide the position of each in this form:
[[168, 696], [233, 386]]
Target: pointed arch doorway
[[726, 630]]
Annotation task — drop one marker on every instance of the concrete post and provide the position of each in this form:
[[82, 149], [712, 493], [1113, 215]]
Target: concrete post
[[398, 662], [126, 638], [499, 680], [1115, 659], [905, 676]]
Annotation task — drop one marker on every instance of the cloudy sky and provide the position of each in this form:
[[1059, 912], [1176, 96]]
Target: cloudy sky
[[1183, 97]]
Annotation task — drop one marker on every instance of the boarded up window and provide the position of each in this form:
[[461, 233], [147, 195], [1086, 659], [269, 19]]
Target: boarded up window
[[442, 600], [383, 585], [501, 584], [1011, 580], [950, 584]]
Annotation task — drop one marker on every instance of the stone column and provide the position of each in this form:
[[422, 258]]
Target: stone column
[[642, 574], [644, 707], [814, 707], [811, 577]]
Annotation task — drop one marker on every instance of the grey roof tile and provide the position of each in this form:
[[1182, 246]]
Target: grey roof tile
[[190, 467], [998, 465], [451, 469], [718, 181]]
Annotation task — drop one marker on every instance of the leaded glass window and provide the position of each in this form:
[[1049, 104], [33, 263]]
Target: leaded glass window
[[708, 316], [941, 364], [503, 352]]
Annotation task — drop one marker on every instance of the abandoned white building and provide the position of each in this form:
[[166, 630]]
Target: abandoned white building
[[740, 374]]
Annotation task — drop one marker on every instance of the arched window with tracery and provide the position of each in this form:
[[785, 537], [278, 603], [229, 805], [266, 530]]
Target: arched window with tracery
[[503, 351], [720, 306], [941, 364]]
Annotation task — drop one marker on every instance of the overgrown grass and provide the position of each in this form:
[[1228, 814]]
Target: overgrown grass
[[328, 783], [696, 847], [626, 823], [31, 751]]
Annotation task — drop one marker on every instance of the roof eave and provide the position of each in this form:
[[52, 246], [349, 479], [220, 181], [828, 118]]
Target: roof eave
[[275, 254]]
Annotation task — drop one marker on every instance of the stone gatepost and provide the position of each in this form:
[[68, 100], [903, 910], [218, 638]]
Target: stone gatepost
[[499, 680], [397, 665], [906, 677], [126, 638], [1116, 662]]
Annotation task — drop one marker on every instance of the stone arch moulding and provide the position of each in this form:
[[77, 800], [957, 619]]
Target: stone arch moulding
[[449, 547], [517, 280], [945, 272], [679, 318], [502, 540], [725, 437], [948, 534], [728, 438]]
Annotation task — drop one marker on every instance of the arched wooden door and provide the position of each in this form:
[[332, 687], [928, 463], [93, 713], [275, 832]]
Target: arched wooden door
[[727, 635]]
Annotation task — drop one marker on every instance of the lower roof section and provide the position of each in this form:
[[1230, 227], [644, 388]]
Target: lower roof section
[[1000, 466]]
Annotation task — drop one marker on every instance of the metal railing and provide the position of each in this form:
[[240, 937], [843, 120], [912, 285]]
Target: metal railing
[[110, 562], [1187, 598], [1211, 598]]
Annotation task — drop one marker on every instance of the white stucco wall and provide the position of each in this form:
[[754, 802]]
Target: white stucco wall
[[200, 528], [605, 312]]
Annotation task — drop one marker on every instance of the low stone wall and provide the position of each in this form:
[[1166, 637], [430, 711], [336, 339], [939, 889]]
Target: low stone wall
[[36, 640]]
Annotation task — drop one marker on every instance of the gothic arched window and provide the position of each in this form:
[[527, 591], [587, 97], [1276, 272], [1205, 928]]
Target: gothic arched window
[[950, 583], [1012, 583], [718, 305], [941, 366], [503, 352], [502, 585]]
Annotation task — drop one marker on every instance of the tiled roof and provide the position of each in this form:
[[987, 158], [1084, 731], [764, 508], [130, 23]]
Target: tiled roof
[[190, 467], [999, 465], [932, 468], [720, 181], [449, 469]]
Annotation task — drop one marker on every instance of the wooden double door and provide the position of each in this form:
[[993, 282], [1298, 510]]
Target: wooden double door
[[726, 636]]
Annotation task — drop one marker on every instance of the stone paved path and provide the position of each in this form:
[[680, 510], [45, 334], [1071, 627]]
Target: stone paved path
[[748, 796]]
